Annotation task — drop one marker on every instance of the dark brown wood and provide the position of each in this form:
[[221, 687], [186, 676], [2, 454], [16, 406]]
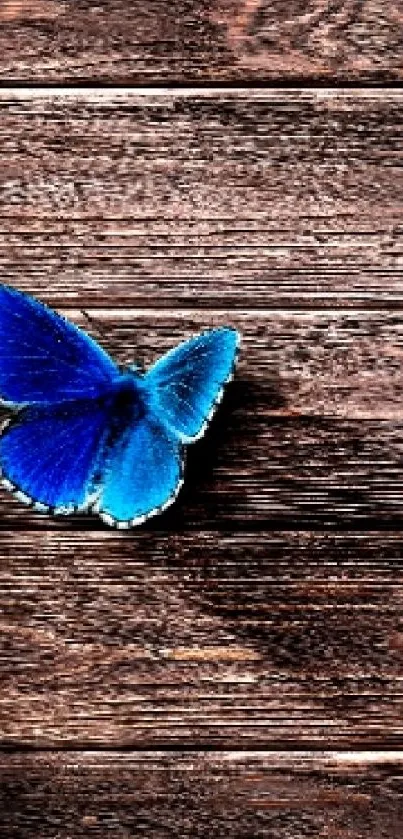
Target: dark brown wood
[[291, 364], [156, 215], [223, 199], [310, 431], [236, 640], [70, 41], [230, 795]]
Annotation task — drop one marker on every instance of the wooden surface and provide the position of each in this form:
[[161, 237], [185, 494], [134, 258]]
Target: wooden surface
[[234, 667], [231, 795], [74, 41], [269, 639], [217, 199], [310, 432]]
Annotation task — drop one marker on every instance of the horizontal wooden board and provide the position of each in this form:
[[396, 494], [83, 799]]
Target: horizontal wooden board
[[221, 795], [234, 40], [232, 639], [310, 431], [266, 198], [344, 364]]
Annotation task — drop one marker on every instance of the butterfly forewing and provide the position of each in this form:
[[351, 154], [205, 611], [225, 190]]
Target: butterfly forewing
[[44, 358], [186, 383]]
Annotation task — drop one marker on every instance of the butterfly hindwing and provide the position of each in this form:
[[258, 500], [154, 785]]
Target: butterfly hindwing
[[49, 455], [44, 358], [185, 384], [142, 475]]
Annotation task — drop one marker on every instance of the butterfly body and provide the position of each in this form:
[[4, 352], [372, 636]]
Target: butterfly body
[[88, 436], [125, 402]]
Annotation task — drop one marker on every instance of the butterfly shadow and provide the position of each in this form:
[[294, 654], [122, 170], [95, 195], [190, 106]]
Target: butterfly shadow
[[223, 438], [290, 630]]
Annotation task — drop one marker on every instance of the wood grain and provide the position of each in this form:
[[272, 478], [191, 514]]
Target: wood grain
[[231, 795], [73, 41], [148, 217], [241, 198], [220, 639], [310, 432]]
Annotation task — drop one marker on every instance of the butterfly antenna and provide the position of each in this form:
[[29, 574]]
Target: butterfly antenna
[[95, 324], [103, 335]]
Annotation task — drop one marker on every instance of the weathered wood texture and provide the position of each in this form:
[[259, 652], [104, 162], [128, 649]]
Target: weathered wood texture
[[160, 214], [245, 198], [236, 40], [191, 796], [245, 639], [310, 432]]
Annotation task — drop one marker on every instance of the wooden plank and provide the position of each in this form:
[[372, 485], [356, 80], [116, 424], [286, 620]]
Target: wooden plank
[[310, 432], [231, 795], [265, 198], [338, 363], [68, 41], [235, 639]]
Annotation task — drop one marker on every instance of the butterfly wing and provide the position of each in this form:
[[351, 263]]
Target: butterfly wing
[[185, 385], [49, 455], [45, 359], [143, 474]]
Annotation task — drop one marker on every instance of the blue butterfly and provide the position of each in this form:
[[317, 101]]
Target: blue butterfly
[[87, 436]]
